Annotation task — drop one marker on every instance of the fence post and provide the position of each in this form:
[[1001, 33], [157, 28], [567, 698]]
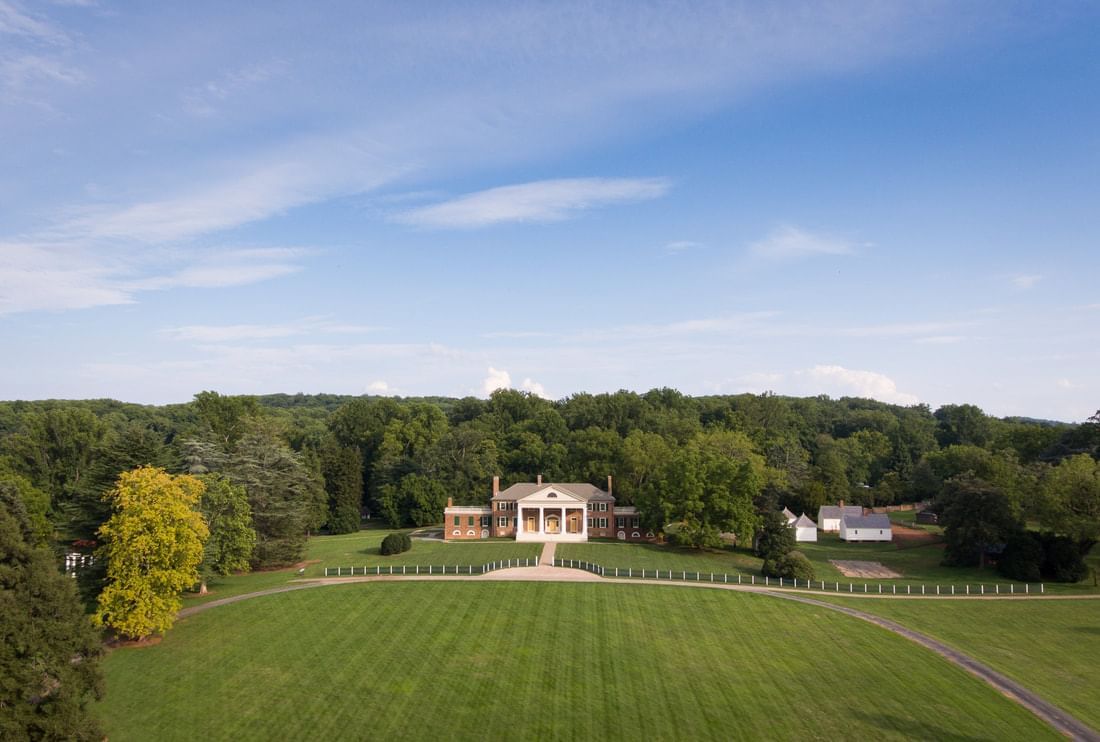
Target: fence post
[[968, 588], [326, 571], [685, 576], [753, 577], [865, 587], [1027, 588], [997, 589], [1042, 588], [766, 578]]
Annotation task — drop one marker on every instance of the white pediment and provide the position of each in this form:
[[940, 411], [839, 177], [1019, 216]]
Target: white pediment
[[550, 496]]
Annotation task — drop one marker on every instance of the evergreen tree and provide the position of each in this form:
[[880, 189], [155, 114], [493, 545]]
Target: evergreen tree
[[49, 652], [342, 467]]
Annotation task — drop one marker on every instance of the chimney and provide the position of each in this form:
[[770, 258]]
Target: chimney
[[609, 484], [450, 502], [496, 486], [538, 480]]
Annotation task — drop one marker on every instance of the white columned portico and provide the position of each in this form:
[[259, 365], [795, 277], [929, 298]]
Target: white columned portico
[[584, 522], [542, 526]]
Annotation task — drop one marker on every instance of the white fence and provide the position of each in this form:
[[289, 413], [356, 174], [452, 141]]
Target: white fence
[[430, 569], [818, 585]]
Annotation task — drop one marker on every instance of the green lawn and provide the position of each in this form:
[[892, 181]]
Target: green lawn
[[1051, 646], [361, 549], [915, 564], [464, 660]]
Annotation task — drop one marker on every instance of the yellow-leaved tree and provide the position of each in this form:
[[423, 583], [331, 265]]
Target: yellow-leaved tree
[[153, 544]]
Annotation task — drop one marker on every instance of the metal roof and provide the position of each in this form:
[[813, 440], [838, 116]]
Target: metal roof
[[875, 520]]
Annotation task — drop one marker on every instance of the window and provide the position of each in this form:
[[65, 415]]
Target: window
[[502, 522], [458, 520], [552, 494], [602, 522], [591, 506], [620, 522], [485, 521], [635, 522], [470, 521], [603, 507], [590, 522]]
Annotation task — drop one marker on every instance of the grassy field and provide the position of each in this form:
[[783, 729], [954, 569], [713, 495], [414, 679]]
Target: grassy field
[[361, 549], [1052, 647], [542, 661], [915, 564]]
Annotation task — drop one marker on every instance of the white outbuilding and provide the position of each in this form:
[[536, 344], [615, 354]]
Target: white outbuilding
[[828, 516], [791, 517], [874, 527], [804, 529]]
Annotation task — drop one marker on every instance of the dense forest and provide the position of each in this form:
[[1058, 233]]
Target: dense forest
[[696, 467]]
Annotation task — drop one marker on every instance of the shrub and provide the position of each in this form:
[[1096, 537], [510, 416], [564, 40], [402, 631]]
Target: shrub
[[792, 565], [1062, 559], [396, 543], [1022, 557]]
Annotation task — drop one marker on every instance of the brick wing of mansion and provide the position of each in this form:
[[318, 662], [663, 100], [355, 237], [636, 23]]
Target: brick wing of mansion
[[551, 511]]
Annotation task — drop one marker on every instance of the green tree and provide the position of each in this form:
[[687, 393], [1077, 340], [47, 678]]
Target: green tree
[[225, 418], [153, 545], [976, 515], [49, 652], [285, 493], [415, 499], [774, 539], [1069, 502], [962, 424], [708, 488], [342, 467], [228, 516]]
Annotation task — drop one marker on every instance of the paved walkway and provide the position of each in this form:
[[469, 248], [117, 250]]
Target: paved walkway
[[1065, 723]]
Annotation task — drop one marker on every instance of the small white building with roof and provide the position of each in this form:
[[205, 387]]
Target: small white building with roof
[[874, 527], [828, 516], [804, 528]]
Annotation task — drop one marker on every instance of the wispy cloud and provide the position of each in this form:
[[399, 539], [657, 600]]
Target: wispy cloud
[[940, 340], [56, 277], [679, 246], [1026, 281], [17, 22], [313, 326], [539, 201], [790, 242], [206, 99]]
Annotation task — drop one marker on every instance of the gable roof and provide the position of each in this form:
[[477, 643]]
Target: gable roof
[[836, 511], [875, 520], [581, 490], [804, 522], [788, 515]]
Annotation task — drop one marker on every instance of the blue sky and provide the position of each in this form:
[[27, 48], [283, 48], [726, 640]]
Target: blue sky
[[894, 200]]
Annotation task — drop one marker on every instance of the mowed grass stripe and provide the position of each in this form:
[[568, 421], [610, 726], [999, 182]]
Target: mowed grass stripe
[[536, 660], [1051, 647]]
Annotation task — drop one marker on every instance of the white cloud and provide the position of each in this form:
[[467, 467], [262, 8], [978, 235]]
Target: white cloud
[[1067, 384], [539, 201], [495, 380], [840, 381], [535, 388], [1026, 281], [500, 379], [378, 387], [789, 242]]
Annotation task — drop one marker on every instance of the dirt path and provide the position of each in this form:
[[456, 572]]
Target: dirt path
[[1065, 723]]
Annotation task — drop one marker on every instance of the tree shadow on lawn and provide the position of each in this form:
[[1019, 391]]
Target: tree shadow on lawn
[[923, 729]]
